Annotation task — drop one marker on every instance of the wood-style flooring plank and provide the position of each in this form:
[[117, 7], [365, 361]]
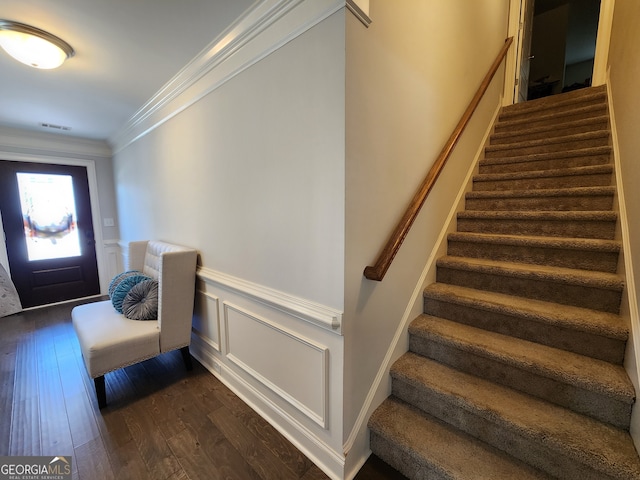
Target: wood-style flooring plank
[[82, 422], [127, 463], [149, 389], [111, 421], [207, 460], [194, 417], [25, 421], [254, 452], [55, 434], [92, 461], [314, 473], [7, 375], [270, 437], [151, 443]]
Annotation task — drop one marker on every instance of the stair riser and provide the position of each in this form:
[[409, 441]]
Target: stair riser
[[403, 461], [507, 133], [546, 122], [545, 164], [558, 110], [538, 289], [567, 203], [515, 149], [551, 118], [530, 450], [541, 183], [590, 96], [578, 399], [547, 228], [583, 343], [556, 257]]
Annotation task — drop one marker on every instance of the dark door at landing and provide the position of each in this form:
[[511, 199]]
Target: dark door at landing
[[563, 42], [48, 227]]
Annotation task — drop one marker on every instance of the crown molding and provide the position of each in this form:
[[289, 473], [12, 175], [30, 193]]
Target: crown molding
[[264, 28], [360, 14]]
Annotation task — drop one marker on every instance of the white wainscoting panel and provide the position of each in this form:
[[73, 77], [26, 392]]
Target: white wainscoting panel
[[282, 355], [206, 319], [113, 259], [293, 367]]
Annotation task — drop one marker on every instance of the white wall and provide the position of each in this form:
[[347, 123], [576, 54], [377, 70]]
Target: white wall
[[410, 76], [624, 64], [252, 174]]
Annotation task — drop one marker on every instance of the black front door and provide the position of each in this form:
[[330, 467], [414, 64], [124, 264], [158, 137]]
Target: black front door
[[46, 215]]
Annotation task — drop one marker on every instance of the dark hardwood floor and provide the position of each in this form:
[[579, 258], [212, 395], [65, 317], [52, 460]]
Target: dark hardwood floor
[[162, 422]]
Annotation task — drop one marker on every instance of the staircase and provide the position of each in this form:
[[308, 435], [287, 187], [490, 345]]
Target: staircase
[[514, 370]]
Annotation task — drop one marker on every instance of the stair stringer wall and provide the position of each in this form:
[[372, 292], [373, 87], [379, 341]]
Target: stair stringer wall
[[629, 304], [381, 387]]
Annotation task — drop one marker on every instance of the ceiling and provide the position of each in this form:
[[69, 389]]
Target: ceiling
[[125, 52]]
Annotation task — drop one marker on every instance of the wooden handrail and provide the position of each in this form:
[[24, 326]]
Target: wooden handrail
[[377, 271]]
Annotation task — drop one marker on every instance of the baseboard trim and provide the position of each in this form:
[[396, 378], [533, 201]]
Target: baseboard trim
[[630, 284]]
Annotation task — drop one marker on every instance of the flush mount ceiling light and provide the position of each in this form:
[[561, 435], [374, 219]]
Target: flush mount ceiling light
[[32, 46]]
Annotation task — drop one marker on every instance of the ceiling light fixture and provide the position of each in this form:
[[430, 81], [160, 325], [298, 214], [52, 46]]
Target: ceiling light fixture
[[32, 46]]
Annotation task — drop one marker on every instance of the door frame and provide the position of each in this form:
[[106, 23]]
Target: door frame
[[512, 67], [90, 165]]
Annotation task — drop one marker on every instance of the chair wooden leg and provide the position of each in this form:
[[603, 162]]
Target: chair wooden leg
[[101, 392], [186, 356]]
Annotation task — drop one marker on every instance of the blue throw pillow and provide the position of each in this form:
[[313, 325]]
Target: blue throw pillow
[[118, 278], [141, 303], [121, 290]]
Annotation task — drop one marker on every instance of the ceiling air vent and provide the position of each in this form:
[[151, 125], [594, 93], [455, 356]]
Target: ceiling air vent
[[55, 127]]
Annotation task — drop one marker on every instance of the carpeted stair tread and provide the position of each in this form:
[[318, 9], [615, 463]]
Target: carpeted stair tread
[[594, 96], [543, 193], [604, 324], [549, 242], [558, 117], [542, 196], [605, 280], [421, 446], [598, 138], [507, 130], [604, 378], [599, 191], [596, 334], [586, 156], [578, 224], [539, 425], [559, 216], [556, 172], [533, 111], [582, 288], [580, 253]]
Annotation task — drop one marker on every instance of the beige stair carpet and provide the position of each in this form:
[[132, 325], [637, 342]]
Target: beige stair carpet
[[515, 368]]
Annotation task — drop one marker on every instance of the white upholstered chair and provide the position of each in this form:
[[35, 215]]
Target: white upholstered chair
[[110, 341]]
